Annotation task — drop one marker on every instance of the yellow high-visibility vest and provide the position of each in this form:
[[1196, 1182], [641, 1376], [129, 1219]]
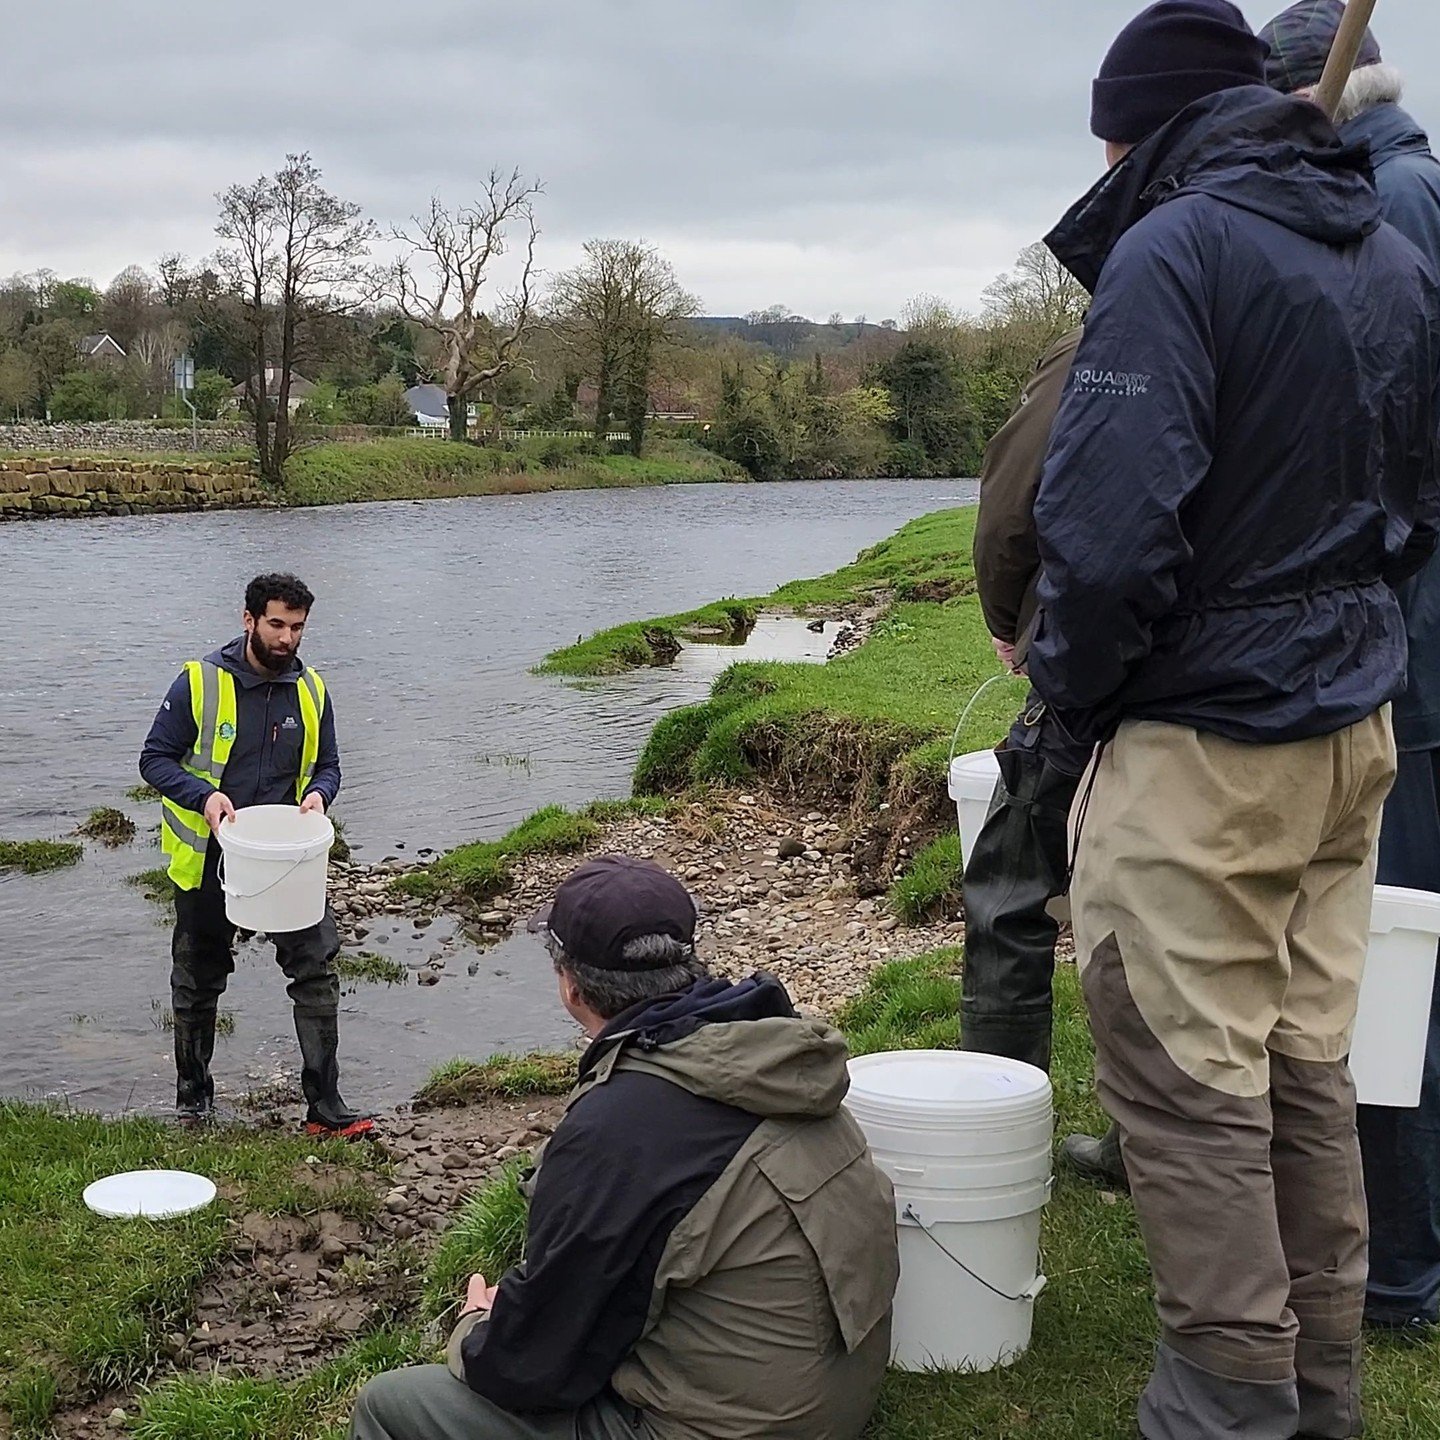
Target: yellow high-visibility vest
[[184, 835]]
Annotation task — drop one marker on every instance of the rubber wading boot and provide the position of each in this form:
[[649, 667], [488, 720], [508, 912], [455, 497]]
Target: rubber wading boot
[[194, 1047], [327, 1113], [1016, 867], [1098, 1161]]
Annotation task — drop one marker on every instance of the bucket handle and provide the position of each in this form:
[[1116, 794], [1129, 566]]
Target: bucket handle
[[1029, 1293], [264, 889]]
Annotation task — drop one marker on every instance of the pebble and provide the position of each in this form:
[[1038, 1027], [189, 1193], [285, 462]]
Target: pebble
[[428, 976], [117, 1417]]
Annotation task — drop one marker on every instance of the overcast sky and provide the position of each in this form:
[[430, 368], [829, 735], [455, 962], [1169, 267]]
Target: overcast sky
[[826, 155]]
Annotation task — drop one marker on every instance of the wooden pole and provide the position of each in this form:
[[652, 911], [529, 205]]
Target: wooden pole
[[1348, 39]]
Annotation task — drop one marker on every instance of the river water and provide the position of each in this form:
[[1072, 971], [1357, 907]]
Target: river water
[[428, 620]]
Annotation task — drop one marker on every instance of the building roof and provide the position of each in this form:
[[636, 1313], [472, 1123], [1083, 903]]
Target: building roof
[[92, 344], [428, 400], [300, 387]]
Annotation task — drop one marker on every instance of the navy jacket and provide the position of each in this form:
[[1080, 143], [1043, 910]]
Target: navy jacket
[[1407, 177], [264, 761], [1245, 459]]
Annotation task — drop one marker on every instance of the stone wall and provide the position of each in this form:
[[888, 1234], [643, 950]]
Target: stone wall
[[32, 488], [126, 436]]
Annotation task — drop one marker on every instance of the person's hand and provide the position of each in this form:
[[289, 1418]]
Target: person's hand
[[313, 804], [479, 1294], [1005, 653], [218, 808]]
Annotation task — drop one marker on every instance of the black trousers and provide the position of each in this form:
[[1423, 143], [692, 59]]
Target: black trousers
[[1019, 864], [202, 962]]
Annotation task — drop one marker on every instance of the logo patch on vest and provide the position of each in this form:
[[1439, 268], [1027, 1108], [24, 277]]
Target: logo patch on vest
[[226, 731], [290, 723]]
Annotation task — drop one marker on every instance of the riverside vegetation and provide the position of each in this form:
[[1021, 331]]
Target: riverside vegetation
[[383, 1224]]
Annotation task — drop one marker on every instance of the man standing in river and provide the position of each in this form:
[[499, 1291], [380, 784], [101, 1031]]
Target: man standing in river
[[248, 725]]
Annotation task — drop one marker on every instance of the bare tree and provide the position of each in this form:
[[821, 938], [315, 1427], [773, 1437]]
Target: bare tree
[[619, 309], [296, 252], [128, 302], [156, 348], [1039, 293], [439, 286]]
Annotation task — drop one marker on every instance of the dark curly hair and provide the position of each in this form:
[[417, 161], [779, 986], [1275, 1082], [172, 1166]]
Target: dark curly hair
[[285, 588]]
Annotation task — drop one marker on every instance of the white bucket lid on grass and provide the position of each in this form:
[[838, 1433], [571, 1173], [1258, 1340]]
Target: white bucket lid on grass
[[154, 1194]]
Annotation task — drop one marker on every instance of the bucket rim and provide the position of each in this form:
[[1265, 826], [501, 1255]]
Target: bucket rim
[[248, 847], [1036, 1099]]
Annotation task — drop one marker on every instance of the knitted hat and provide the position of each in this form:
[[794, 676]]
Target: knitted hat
[[1169, 56], [1300, 41]]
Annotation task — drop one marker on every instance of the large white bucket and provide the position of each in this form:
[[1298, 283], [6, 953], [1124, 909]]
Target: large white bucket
[[1387, 1055], [276, 865], [965, 1138]]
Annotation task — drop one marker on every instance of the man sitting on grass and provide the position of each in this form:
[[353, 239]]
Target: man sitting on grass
[[710, 1250]]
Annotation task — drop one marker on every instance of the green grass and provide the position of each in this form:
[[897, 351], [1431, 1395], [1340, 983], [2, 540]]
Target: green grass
[[85, 1300], [35, 857], [486, 1239], [109, 826], [930, 888], [371, 968], [875, 723], [156, 883], [483, 869], [649, 642], [408, 467], [462, 1082], [907, 1005], [317, 1407], [143, 794]]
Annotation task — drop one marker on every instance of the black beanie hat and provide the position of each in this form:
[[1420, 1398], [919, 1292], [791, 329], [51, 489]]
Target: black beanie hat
[[1169, 56]]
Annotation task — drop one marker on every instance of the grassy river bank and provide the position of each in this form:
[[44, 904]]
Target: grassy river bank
[[169, 1330]]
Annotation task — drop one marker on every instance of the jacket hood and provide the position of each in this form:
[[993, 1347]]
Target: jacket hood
[[231, 657], [1388, 132], [1273, 155], [739, 1043]]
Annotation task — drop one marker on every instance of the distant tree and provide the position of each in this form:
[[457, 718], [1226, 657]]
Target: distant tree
[[928, 401], [76, 300], [53, 345], [129, 301], [212, 390], [83, 395], [438, 285], [155, 349], [619, 309], [836, 319], [1040, 294], [927, 314], [19, 382], [176, 280], [19, 306], [295, 252], [382, 403]]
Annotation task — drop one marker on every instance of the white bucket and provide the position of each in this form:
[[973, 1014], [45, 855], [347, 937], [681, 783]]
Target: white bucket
[[276, 863], [972, 788], [972, 785], [1387, 1055], [965, 1138]]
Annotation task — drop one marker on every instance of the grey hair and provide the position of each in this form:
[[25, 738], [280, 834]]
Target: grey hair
[[670, 965], [1368, 87]]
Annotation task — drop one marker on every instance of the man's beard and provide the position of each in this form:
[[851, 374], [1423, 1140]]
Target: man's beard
[[273, 660]]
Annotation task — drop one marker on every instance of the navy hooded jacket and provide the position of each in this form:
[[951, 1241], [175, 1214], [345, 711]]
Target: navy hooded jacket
[[1245, 460], [264, 761], [1407, 177]]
